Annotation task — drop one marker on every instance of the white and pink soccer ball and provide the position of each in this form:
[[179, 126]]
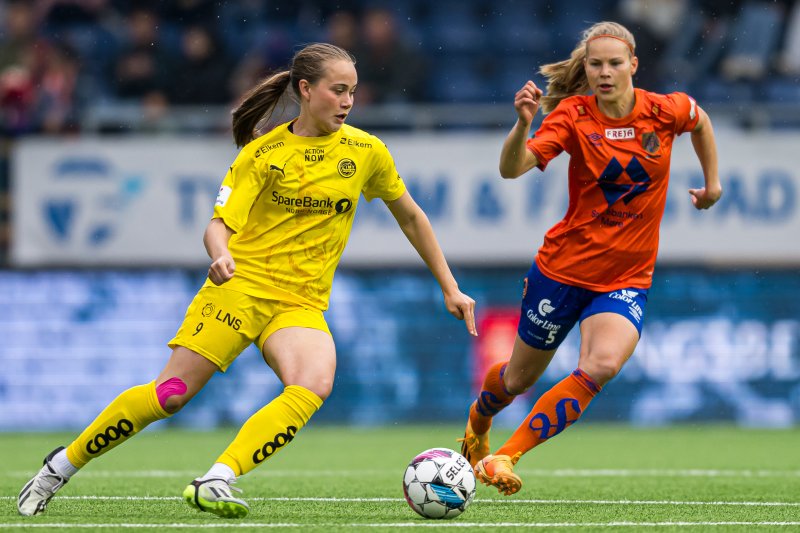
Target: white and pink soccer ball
[[439, 483]]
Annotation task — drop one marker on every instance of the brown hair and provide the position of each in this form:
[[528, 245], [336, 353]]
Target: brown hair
[[567, 78], [259, 103]]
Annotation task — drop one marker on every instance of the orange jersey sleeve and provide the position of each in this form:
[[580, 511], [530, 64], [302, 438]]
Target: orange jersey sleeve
[[618, 176], [553, 137]]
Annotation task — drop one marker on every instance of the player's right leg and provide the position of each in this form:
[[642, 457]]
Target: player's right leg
[[498, 471], [492, 399], [183, 376]]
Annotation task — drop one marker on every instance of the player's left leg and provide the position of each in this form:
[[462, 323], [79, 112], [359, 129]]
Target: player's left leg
[[304, 358]]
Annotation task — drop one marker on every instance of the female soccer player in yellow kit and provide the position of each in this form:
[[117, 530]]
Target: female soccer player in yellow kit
[[281, 221]]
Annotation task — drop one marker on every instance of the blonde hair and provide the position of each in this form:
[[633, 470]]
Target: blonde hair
[[568, 78], [259, 103]]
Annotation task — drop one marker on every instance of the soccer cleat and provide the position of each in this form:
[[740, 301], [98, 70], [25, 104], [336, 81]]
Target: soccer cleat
[[214, 496], [474, 447], [498, 471], [33, 497]]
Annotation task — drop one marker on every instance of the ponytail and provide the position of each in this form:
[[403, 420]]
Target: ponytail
[[258, 104], [565, 78]]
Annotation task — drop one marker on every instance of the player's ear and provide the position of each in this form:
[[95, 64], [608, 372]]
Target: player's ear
[[634, 65], [305, 89]]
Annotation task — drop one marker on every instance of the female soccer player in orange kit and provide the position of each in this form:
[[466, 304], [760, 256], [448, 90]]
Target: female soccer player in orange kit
[[596, 264], [281, 221]]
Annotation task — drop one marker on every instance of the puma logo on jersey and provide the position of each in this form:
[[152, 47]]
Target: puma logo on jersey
[[279, 169]]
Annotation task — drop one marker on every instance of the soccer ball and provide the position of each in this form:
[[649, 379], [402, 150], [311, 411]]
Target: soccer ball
[[439, 483]]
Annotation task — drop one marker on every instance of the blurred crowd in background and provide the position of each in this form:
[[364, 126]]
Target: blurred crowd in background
[[64, 63], [59, 58]]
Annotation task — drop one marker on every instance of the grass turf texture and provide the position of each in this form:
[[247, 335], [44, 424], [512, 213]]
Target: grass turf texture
[[591, 478]]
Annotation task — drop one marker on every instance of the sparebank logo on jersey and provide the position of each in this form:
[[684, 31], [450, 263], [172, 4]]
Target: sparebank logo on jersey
[[86, 200], [615, 189], [310, 205], [628, 296]]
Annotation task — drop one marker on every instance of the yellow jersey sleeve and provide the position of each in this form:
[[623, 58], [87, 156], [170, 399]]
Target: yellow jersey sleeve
[[242, 184], [385, 182]]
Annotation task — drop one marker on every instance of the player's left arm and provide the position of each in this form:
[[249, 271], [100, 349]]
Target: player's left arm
[[419, 232], [705, 147]]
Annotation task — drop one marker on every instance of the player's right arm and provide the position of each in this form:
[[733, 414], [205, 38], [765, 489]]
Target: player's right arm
[[515, 158], [216, 240]]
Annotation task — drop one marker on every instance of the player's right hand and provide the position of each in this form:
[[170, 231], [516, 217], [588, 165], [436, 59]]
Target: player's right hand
[[526, 102], [221, 270]]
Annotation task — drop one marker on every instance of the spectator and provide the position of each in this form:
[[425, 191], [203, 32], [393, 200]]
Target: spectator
[[341, 29], [18, 33], [140, 69], [201, 72], [655, 23], [56, 102], [693, 52], [754, 40], [391, 71], [789, 56], [19, 41], [84, 26]]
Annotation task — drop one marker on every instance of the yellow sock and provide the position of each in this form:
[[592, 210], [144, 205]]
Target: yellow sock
[[128, 414], [271, 428]]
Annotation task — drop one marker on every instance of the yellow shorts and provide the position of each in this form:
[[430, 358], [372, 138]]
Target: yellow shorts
[[220, 323]]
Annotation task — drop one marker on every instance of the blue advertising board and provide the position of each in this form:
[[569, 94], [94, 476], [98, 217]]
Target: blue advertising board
[[718, 345]]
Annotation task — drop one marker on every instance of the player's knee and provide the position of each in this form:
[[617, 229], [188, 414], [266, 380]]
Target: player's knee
[[516, 385], [603, 369], [322, 388], [172, 395]]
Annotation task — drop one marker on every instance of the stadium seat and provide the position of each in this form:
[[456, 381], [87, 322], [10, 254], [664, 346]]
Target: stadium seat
[[458, 79], [453, 26]]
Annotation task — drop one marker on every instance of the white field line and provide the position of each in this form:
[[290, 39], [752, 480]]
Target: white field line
[[360, 473], [433, 523], [510, 501]]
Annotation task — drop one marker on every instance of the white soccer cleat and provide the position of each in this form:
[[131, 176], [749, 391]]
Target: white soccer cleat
[[214, 496], [33, 497]]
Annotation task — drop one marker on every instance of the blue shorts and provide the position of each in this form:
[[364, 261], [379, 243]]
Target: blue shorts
[[550, 309]]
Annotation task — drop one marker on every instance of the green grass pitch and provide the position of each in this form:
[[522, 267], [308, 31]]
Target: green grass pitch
[[591, 478]]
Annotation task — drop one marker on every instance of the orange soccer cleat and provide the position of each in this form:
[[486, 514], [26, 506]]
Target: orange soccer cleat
[[498, 471], [474, 446]]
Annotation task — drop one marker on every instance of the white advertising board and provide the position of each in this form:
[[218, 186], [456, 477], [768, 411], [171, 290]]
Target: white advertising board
[[146, 201]]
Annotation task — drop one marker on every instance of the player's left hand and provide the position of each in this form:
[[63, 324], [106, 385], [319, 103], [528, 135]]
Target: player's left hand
[[462, 307], [703, 198]]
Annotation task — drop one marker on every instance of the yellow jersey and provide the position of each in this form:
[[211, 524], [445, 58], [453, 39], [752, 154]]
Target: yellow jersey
[[291, 201]]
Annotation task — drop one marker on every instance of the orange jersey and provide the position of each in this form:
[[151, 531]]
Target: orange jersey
[[618, 176]]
